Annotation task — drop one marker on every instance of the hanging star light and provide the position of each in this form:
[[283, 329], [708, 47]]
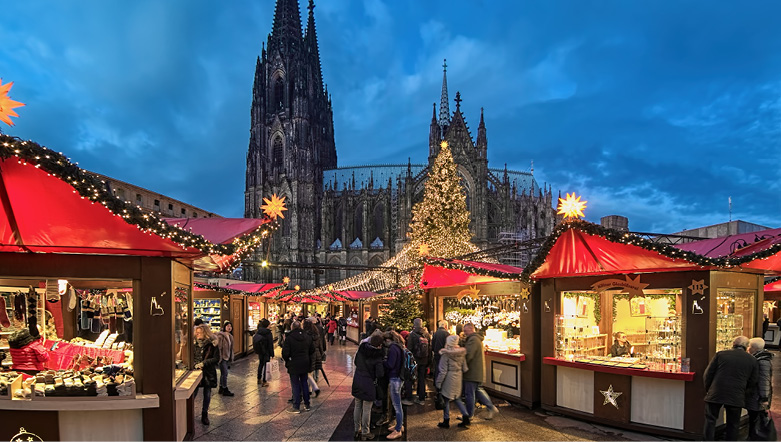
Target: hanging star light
[[7, 104], [424, 249], [274, 207], [610, 396], [471, 292], [571, 207]]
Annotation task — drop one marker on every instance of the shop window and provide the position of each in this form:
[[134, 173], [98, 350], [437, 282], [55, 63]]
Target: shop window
[[183, 330], [734, 316], [498, 318]]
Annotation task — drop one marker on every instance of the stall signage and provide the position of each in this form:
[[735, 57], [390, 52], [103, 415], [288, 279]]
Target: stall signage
[[471, 292], [632, 286]]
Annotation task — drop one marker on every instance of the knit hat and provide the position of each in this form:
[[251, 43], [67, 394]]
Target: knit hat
[[20, 339], [451, 341]]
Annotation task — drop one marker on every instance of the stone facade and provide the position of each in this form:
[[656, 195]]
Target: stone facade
[[359, 215]]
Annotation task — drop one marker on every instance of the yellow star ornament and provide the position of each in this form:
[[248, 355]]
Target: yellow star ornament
[[274, 207], [571, 207], [7, 104]]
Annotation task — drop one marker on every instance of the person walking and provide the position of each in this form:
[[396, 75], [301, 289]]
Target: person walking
[[438, 343], [331, 325], [473, 378], [419, 343], [449, 381], [206, 357], [342, 331], [310, 328], [368, 368], [762, 395], [298, 351], [225, 345], [280, 332], [263, 344], [730, 378], [393, 366]]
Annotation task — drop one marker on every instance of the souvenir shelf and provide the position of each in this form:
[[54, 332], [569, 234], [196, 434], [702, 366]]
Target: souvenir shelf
[[496, 340], [728, 327], [664, 343], [575, 338], [209, 310]]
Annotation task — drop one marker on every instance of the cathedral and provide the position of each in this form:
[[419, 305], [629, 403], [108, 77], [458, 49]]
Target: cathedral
[[343, 219]]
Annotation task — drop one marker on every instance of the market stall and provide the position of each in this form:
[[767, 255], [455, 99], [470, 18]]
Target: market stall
[[502, 308], [628, 327], [771, 311], [104, 294]]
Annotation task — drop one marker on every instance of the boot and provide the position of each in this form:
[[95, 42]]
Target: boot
[[205, 418], [444, 424], [226, 392], [464, 422], [220, 390]]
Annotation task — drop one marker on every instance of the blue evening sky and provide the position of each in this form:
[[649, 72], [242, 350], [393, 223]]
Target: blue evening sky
[[655, 110]]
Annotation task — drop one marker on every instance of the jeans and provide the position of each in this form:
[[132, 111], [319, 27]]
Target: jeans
[[262, 360], [459, 404], [362, 416], [311, 382], [395, 394], [473, 391], [207, 398], [422, 368], [223, 373], [300, 387], [732, 416]]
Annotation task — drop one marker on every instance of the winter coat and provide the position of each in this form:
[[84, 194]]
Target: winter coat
[[438, 341], [394, 360], [342, 327], [209, 355], [452, 365], [263, 344], [731, 377], [317, 360], [368, 369], [298, 351], [27, 352], [764, 389], [225, 345], [413, 341], [332, 326], [474, 358]]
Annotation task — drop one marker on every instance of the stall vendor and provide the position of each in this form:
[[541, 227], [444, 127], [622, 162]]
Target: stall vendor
[[621, 347]]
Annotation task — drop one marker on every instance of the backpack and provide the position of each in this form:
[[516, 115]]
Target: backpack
[[423, 350], [409, 367]]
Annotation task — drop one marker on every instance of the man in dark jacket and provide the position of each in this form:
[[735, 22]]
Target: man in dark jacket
[[438, 343], [419, 343], [729, 379], [263, 344], [762, 395], [298, 351], [393, 367], [368, 368]]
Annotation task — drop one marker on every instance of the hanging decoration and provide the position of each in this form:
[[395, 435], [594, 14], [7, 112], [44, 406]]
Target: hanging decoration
[[470, 292], [525, 293], [274, 207], [7, 105], [698, 287], [611, 396], [571, 207], [631, 286]]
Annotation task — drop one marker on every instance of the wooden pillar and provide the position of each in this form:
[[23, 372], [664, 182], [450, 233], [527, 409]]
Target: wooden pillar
[[530, 347]]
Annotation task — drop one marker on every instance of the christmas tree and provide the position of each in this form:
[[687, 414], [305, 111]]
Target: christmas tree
[[404, 308]]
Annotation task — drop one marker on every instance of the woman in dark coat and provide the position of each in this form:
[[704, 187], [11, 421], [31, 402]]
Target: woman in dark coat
[[317, 361], [206, 357], [759, 399], [368, 368], [263, 344], [342, 331]]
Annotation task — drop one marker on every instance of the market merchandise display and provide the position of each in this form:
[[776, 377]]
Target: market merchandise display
[[209, 310], [110, 380]]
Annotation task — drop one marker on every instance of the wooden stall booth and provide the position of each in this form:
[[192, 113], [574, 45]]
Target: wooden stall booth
[[492, 297], [772, 311], [109, 291], [628, 327]]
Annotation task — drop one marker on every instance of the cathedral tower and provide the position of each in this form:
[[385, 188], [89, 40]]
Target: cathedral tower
[[291, 137]]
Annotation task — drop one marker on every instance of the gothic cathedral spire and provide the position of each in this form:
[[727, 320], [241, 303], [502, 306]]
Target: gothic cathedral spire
[[444, 103]]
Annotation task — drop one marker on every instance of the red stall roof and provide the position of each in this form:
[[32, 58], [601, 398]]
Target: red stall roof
[[576, 252], [773, 287], [733, 244], [43, 213], [441, 272], [219, 230], [252, 287]]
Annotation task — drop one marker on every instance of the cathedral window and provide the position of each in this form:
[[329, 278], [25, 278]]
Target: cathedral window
[[279, 94], [358, 222], [277, 153], [378, 223]]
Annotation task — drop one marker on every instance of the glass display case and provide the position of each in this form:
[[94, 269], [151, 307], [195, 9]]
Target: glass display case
[[735, 310], [728, 327], [209, 310], [576, 338], [273, 313], [254, 315], [182, 331], [499, 341], [664, 335]]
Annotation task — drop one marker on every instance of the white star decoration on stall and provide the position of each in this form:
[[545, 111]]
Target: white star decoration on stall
[[610, 396], [698, 287]]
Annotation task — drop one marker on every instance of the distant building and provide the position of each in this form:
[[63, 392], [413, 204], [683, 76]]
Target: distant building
[[723, 229], [616, 222], [152, 201]]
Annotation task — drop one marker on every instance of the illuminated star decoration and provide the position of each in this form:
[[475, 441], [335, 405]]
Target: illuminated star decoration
[[443, 143], [286, 279], [7, 104], [274, 207], [571, 207], [424, 250], [471, 292], [698, 287], [525, 293], [610, 396]]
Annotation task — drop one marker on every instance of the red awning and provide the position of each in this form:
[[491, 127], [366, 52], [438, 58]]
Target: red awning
[[439, 272], [252, 287], [42, 213], [772, 287], [733, 245], [576, 253]]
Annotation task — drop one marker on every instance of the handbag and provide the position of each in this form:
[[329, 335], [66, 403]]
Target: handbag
[[766, 429]]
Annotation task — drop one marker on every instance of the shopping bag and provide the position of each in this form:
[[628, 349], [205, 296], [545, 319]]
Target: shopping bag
[[272, 369], [766, 429]]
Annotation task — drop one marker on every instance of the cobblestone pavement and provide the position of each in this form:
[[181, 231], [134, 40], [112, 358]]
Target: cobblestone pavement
[[259, 413]]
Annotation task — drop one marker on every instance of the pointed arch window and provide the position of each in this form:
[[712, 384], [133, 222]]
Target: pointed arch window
[[277, 153], [279, 94]]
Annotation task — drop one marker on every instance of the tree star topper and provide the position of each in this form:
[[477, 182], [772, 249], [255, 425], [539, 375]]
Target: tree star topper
[[571, 207], [274, 207], [7, 104], [610, 396]]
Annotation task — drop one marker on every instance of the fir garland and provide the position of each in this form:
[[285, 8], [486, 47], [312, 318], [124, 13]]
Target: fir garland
[[671, 302], [451, 264], [94, 189], [231, 291]]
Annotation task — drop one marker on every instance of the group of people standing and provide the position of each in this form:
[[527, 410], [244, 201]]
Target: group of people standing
[[389, 363], [212, 350]]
